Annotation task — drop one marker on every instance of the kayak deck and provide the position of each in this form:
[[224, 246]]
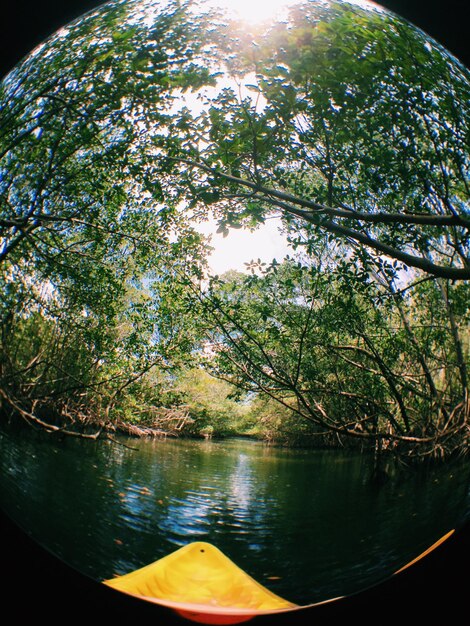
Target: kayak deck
[[199, 581]]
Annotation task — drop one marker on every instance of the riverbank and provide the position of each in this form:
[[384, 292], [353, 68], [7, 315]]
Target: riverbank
[[262, 421]]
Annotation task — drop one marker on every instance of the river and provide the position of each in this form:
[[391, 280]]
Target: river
[[308, 524]]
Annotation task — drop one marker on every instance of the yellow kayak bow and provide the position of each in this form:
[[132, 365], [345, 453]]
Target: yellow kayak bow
[[203, 585]]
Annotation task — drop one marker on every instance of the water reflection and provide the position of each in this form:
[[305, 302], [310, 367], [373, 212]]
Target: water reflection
[[308, 524], [241, 485], [228, 499]]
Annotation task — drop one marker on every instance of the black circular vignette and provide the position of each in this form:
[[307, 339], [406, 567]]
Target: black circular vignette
[[35, 584]]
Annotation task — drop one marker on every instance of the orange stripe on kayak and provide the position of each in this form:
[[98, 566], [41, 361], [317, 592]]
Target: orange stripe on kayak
[[426, 552]]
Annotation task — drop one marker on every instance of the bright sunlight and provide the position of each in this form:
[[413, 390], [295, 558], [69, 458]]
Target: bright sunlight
[[254, 11], [260, 10]]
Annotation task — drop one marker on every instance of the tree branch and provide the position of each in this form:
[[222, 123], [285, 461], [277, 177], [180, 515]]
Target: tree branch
[[315, 214]]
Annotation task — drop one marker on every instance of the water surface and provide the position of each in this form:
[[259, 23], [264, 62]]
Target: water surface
[[310, 525]]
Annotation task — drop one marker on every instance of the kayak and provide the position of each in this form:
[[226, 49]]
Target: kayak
[[426, 552], [203, 585]]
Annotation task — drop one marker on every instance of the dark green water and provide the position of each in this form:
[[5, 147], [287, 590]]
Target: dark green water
[[307, 524]]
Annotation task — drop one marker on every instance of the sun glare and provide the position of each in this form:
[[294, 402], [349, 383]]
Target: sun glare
[[260, 10], [254, 10]]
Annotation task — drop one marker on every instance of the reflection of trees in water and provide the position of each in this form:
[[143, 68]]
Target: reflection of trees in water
[[311, 518]]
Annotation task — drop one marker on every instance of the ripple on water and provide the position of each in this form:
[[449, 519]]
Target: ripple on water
[[313, 524], [139, 522]]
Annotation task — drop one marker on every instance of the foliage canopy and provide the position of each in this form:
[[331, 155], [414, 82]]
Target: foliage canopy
[[131, 126]]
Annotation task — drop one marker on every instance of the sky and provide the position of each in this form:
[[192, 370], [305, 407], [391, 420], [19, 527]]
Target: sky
[[242, 246]]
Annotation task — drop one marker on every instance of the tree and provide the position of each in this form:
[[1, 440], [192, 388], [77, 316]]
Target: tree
[[347, 122], [350, 123], [353, 127], [90, 251], [350, 355]]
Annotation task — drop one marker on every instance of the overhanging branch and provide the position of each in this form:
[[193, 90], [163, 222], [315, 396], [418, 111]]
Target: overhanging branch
[[319, 214]]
